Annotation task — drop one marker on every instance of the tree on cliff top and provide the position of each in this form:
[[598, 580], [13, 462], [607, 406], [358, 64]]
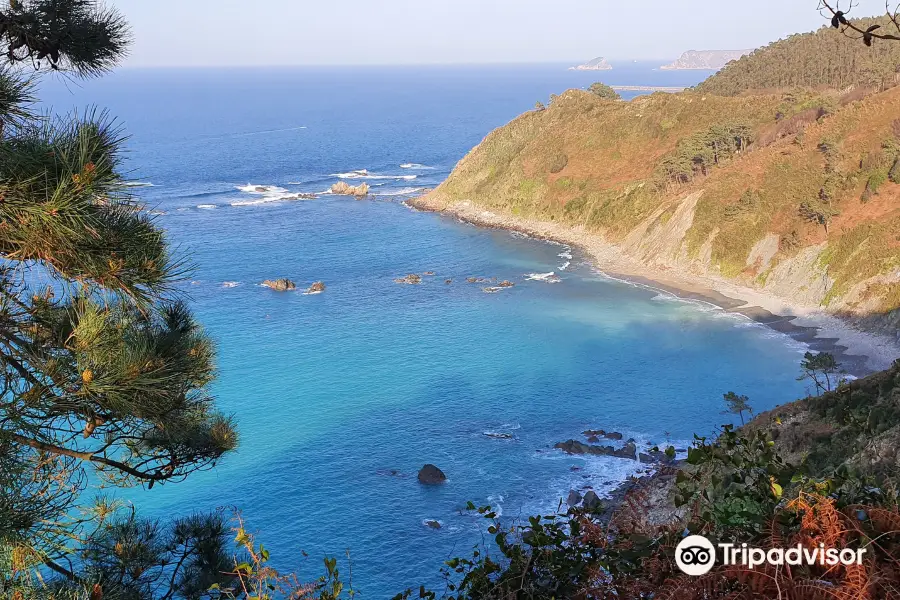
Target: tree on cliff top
[[604, 91], [104, 371]]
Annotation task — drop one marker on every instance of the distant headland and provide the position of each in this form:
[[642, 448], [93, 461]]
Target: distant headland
[[598, 64], [705, 59]]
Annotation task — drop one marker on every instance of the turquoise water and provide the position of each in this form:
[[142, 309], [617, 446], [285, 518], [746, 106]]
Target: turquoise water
[[333, 392]]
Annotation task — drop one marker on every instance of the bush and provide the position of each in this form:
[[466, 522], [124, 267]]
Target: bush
[[604, 91]]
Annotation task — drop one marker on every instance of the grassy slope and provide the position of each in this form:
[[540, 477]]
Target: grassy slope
[[857, 426], [591, 162]]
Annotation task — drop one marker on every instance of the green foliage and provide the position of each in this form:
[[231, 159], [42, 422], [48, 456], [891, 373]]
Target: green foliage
[[603, 91], [735, 483], [738, 404], [105, 372], [697, 154], [747, 204], [822, 369], [822, 59]]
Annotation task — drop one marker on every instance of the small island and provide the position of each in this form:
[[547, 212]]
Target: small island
[[705, 59], [598, 64]]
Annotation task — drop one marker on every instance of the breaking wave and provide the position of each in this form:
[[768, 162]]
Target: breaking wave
[[415, 166], [364, 174], [550, 277]]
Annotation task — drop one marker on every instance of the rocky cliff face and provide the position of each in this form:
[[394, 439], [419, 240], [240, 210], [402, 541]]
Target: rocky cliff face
[[705, 59], [595, 167]]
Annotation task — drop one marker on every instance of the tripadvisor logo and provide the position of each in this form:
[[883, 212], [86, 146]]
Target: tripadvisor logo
[[696, 555]]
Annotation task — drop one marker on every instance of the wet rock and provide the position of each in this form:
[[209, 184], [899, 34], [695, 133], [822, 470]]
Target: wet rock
[[432, 523], [573, 499], [593, 439], [629, 450], [498, 435], [477, 280], [411, 279], [428, 273], [591, 500], [448, 281], [613, 435], [491, 290], [280, 285], [431, 475], [505, 284], [593, 432], [316, 288]]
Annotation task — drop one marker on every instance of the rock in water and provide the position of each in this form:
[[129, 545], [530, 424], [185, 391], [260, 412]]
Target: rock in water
[[573, 499], [431, 475], [433, 523], [316, 288], [505, 284], [591, 500], [411, 279], [342, 188], [280, 285]]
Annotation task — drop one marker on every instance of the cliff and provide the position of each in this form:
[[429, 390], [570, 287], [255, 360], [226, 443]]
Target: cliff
[[712, 186], [598, 64], [705, 59]]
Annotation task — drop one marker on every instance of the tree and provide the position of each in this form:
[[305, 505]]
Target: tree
[[818, 212], [865, 32], [604, 91], [822, 369], [539, 106], [737, 405], [105, 371]]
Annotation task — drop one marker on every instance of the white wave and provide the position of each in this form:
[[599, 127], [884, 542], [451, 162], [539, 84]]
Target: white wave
[[550, 277], [261, 189], [566, 254], [414, 166], [230, 284], [564, 266], [137, 184], [206, 206], [364, 174], [295, 183], [401, 192]]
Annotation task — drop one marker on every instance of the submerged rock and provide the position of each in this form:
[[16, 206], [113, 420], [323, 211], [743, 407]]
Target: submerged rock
[[431, 475], [448, 281], [477, 280], [432, 523], [499, 435], [280, 285], [411, 279], [428, 273]]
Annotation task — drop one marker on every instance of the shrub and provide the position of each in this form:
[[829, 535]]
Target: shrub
[[603, 91]]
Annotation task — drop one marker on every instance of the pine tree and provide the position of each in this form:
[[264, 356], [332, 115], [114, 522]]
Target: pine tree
[[105, 372]]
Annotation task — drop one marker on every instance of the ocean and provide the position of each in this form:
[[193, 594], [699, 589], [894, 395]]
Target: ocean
[[341, 397]]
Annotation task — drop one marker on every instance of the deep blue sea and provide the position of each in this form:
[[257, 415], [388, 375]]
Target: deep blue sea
[[333, 392]]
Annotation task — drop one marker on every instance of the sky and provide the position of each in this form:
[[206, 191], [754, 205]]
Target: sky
[[360, 32]]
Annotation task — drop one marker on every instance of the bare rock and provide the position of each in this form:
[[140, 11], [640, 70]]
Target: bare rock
[[411, 279], [431, 475], [280, 285], [316, 288], [591, 500], [342, 188], [573, 499]]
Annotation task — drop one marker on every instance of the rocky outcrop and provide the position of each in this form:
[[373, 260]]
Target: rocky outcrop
[[432, 523], [411, 279], [316, 288], [573, 499], [610, 435], [505, 284], [629, 450], [591, 500], [280, 285], [431, 475], [342, 188]]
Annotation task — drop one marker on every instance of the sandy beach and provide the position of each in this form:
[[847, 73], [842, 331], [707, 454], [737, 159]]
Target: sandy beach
[[859, 352]]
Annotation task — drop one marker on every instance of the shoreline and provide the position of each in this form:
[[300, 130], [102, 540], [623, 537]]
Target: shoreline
[[859, 352]]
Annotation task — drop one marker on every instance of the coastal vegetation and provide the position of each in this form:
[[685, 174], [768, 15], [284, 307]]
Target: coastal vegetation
[[777, 189], [106, 375]]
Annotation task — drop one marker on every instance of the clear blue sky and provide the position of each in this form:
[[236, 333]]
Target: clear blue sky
[[317, 32]]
